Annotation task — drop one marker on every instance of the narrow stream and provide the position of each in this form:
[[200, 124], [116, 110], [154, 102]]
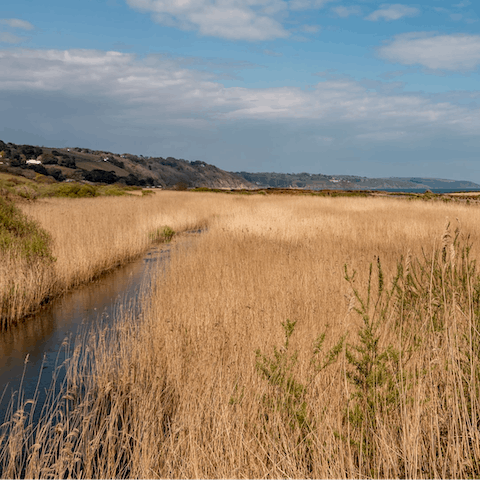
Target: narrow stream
[[41, 336]]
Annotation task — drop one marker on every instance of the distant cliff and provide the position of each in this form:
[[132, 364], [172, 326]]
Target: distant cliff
[[96, 166], [106, 167], [349, 182]]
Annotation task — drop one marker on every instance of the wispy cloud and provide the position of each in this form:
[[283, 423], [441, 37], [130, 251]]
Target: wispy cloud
[[17, 23], [253, 20], [392, 12], [458, 14], [233, 20], [465, 3], [438, 52], [310, 28], [271, 53], [345, 12], [11, 38], [307, 4]]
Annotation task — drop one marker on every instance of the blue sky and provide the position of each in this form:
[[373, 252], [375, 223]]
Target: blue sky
[[360, 87]]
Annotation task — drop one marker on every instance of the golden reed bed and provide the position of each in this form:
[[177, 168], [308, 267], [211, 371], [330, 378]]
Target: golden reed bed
[[208, 383], [91, 236]]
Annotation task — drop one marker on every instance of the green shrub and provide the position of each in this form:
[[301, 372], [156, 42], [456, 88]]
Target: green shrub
[[374, 369], [22, 236], [168, 233], [87, 191], [72, 190], [27, 192], [287, 395], [163, 234], [112, 191]]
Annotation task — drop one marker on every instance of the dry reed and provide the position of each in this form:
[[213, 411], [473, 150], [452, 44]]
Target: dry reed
[[179, 392], [91, 236]]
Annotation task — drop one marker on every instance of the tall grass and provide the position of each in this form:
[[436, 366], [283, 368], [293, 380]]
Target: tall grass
[[26, 266], [89, 236], [262, 354]]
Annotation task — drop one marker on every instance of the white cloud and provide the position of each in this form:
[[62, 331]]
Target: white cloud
[[156, 105], [232, 19], [441, 52], [345, 12], [392, 12], [155, 90], [308, 4], [17, 23], [309, 28], [252, 20], [6, 37]]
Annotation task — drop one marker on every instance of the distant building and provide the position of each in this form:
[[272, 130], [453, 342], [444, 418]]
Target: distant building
[[34, 162]]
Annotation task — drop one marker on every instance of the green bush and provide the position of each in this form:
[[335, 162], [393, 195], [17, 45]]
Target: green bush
[[22, 236], [87, 191], [287, 396], [163, 234], [72, 190]]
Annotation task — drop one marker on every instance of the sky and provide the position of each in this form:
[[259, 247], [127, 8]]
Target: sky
[[352, 87]]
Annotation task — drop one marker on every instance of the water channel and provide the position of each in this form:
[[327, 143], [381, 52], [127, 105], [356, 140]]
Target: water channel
[[41, 338]]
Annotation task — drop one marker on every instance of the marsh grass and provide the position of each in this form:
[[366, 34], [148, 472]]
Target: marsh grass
[[51, 245], [25, 254], [373, 375]]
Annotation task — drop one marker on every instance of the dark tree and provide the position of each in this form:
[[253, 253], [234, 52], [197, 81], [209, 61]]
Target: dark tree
[[100, 176], [49, 159]]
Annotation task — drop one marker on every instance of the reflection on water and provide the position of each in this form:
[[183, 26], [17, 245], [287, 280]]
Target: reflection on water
[[41, 337]]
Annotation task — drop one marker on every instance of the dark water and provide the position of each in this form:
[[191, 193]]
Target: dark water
[[433, 190], [42, 338]]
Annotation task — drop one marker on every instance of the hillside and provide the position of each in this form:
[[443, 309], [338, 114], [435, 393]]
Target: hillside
[[350, 182], [97, 166], [83, 164]]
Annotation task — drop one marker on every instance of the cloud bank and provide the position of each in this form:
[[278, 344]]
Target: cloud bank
[[132, 102], [455, 52], [148, 88]]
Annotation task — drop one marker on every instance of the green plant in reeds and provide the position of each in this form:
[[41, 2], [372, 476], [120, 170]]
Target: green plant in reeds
[[25, 250], [20, 236], [288, 395], [375, 371], [168, 233], [162, 234], [440, 301], [432, 312]]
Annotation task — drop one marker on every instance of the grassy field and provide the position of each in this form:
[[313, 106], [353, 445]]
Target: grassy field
[[86, 237], [261, 352]]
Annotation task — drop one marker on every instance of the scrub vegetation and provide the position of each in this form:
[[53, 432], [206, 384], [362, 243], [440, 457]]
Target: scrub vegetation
[[45, 187], [305, 337]]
